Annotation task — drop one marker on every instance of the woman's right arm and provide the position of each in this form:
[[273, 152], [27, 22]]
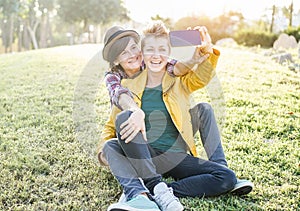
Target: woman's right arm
[[119, 95]]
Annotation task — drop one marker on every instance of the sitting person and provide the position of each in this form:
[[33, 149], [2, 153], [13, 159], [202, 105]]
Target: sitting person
[[131, 64], [167, 151]]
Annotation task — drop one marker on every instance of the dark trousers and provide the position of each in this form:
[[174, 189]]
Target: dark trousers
[[138, 167]]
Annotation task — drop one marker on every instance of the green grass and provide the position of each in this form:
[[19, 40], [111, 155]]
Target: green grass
[[53, 104]]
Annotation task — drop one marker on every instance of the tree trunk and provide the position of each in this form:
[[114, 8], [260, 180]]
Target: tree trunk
[[11, 32], [43, 31], [71, 36], [32, 32], [291, 14], [26, 39], [4, 34], [98, 34], [273, 18], [20, 37], [49, 31]]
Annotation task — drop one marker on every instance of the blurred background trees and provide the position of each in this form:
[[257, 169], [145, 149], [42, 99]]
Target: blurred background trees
[[33, 24]]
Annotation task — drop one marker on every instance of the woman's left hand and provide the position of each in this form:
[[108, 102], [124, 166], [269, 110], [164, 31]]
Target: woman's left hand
[[206, 46], [202, 51]]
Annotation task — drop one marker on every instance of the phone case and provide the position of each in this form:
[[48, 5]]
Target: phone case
[[185, 38]]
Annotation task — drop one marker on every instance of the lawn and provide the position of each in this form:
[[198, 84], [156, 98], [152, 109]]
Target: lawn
[[53, 105]]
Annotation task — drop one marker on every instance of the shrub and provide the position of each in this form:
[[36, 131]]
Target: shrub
[[295, 31], [60, 39], [254, 38]]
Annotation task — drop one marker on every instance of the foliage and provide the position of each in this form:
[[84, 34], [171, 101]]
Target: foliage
[[192, 21], [8, 9], [220, 27], [32, 21], [294, 31], [91, 11], [254, 38], [44, 165], [166, 21]]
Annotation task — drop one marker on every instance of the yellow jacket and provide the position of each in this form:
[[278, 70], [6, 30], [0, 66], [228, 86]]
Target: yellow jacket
[[176, 96]]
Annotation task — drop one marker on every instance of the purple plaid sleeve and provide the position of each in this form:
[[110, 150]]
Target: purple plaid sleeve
[[114, 87], [170, 67]]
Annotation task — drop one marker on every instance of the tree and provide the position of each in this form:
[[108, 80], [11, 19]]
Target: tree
[[9, 9], [32, 20], [91, 11], [273, 18], [288, 13], [45, 6]]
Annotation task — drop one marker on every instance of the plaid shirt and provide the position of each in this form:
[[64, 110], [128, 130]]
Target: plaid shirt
[[114, 87]]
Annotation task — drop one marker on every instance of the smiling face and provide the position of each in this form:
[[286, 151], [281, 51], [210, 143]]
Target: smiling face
[[156, 52], [130, 58]]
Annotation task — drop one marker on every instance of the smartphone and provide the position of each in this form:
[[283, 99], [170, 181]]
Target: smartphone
[[181, 38]]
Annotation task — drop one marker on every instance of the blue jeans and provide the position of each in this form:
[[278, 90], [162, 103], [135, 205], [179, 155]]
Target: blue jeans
[[138, 167], [204, 121]]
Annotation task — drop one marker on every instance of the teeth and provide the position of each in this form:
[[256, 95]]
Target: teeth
[[156, 62]]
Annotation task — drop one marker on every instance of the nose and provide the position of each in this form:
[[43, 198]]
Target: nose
[[131, 53], [156, 53]]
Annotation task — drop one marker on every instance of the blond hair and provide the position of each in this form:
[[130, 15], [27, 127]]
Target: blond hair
[[156, 29]]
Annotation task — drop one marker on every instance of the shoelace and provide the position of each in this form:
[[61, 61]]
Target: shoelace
[[165, 198]]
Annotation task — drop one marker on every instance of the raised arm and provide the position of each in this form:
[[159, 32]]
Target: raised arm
[[183, 67]]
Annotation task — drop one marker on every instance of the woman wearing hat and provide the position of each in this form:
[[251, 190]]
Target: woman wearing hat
[[122, 52]]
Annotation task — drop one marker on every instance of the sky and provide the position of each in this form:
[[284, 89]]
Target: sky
[[142, 11]]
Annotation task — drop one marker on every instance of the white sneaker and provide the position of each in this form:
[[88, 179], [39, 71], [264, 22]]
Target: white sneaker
[[164, 197], [122, 198], [242, 187], [139, 203]]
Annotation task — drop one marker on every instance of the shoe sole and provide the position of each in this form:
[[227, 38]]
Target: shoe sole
[[118, 209], [128, 208], [242, 191]]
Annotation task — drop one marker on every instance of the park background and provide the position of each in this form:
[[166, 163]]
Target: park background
[[53, 102]]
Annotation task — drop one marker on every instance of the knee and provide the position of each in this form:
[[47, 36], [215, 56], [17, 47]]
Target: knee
[[122, 117], [206, 107], [229, 180], [108, 147]]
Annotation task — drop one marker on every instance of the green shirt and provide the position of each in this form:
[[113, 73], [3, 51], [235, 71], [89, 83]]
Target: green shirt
[[161, 131]]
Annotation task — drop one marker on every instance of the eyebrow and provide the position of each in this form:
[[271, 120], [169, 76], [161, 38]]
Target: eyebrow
[[153, 46]]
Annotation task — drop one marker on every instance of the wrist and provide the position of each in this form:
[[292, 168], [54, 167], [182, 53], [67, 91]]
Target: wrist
[[137, 110], [189, 63], [133, 109]]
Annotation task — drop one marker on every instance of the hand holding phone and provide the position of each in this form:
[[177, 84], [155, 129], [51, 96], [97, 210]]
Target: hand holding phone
[[206, 46]]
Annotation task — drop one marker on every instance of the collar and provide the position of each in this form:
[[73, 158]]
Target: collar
[[138, 84]]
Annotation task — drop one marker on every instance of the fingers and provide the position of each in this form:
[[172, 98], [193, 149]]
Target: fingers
[[205, 37], [130, 130], [131, 136], [130, 133], [143, 130], [132, 126], [199, 55], [124, 124], [126, 131]]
